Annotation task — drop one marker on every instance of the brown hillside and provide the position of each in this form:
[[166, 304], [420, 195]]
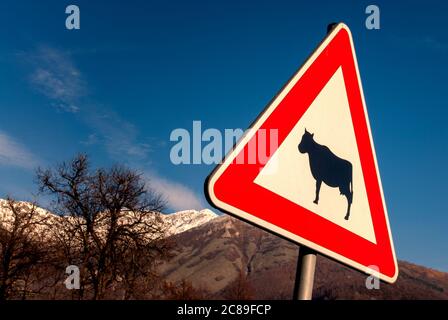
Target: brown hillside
[[226, 254]]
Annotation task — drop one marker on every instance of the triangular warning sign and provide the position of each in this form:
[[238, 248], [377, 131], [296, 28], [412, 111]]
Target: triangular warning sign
[[307, 169]]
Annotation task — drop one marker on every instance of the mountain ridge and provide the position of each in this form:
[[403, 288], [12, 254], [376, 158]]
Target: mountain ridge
[[175, 222], [227, 252], [215, 253]]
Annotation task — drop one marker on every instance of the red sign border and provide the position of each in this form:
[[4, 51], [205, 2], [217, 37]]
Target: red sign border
[[234, 191]]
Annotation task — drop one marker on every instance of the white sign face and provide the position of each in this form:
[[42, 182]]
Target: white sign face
[[320, 185], [288, 172]]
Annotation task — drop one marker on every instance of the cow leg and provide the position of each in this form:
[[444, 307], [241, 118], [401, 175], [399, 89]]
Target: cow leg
[[318, 183], [347, 216], [349, 204]]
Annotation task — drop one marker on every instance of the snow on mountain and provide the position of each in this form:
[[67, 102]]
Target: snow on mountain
[[40, 214], [185, 220], [5, 211], [176, 223]]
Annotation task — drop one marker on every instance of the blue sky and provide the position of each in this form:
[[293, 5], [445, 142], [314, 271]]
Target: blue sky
[[134, 72]]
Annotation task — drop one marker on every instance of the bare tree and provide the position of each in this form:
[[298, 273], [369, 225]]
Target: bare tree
[[22, 249], [240, 288], [182, 290], [111, 227]]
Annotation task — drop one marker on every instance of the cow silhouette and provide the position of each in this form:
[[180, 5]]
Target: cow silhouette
[[327, 167]]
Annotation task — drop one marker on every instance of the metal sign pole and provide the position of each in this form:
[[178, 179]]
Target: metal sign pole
[[306, 265], [306, 261]]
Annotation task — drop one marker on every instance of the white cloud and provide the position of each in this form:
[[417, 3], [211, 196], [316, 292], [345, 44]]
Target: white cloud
[[435, 43], [56, 77], [178, 196], [119, 137], [14, 154]]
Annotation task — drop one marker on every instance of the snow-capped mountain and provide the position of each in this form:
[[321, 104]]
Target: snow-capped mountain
[[181, 221], [175, 223]]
